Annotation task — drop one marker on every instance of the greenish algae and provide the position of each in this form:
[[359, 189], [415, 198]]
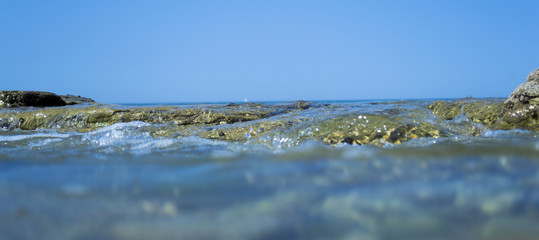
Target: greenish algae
[[374, 129], [97, 116], [483, 111], [82, 119], [245, 132], [493, 113], [447, 110]]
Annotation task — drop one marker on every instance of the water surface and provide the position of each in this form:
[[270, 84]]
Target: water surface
[[124, 182]]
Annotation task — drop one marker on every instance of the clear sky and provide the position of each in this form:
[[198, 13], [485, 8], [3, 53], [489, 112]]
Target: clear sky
[[205, 51]]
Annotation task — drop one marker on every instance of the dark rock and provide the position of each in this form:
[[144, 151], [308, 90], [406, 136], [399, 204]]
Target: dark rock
[[302, 105], [72, 99], [30, 99], [4, 123]]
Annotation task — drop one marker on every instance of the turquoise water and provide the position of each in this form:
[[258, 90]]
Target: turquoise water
[[121, 182]]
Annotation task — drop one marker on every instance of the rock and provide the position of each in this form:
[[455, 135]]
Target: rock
[[95, 116], [72, 99], [30, 99], [519, 110], [484, 111], [523, 95], [282, 122], [447, 110], [526, 92], [534, 76], [522, 105], [372, 129], [303, 104]]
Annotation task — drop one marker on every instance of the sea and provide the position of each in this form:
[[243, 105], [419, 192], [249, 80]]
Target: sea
[[122, 182]]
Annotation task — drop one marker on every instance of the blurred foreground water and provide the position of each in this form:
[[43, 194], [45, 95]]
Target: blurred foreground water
[[123, 182]]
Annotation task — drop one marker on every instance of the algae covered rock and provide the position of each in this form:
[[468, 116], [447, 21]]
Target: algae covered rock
[[519, 110], [447, 110], [484, 111], [89, 118], [30, 99], [363, 129], [246, 131]]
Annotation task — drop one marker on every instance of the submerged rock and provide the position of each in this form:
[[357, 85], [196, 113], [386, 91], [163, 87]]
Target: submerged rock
[[30, 99]]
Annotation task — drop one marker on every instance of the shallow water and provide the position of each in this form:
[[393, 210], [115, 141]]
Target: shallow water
[[125, 182]]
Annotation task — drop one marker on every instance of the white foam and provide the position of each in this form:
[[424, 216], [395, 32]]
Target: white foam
[[13, 138], [120, 126], [158, 143], [497, 133], [119, 133]]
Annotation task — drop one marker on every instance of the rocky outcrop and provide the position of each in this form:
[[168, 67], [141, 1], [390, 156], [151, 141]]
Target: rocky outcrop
[[533, 76], [30, 99], [519, 110], [72, 99], [522, 105], [12, 99], [525, 94]]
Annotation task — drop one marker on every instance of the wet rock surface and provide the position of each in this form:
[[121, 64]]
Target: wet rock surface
[[484, 111], [295, 122], [84, 119], [290, 123]]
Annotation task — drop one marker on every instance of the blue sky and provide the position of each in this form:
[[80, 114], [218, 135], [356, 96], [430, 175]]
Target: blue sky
[[205, 51]]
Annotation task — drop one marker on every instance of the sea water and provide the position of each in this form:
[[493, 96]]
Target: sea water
[[122, 182]]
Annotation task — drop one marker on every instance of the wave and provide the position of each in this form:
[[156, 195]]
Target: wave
[[20, 137]]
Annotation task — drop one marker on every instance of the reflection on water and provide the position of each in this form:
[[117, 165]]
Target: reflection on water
[[120, 182]]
